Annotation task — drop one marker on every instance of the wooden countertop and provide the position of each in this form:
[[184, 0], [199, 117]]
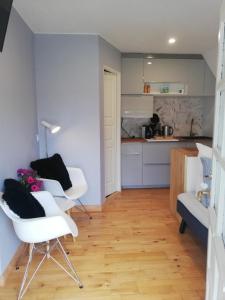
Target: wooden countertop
[[133, 140], [155, 139], [164, 139]]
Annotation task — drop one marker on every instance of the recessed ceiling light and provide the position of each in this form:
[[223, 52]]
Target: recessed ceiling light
[[149, 56], [149, 62], [172, 41]]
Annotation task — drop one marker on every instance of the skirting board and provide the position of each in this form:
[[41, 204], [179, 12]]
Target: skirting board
[[90, 208], [12, 264]]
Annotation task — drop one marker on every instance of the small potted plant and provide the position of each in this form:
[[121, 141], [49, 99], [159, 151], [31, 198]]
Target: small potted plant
[[29, 179]]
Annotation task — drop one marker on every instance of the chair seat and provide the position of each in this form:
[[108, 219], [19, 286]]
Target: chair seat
[[69, 198], [64, 204], [75, 192]]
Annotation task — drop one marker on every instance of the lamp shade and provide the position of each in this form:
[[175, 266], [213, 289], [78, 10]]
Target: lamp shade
[[52, 128]]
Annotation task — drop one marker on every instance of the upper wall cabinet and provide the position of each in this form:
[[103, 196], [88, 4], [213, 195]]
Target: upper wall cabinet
[[164, 70], [132, 76], [194, 74], [187, 71], [209, 82]]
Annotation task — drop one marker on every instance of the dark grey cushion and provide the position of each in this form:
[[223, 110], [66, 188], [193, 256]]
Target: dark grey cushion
[[20, 201], [53, 168]]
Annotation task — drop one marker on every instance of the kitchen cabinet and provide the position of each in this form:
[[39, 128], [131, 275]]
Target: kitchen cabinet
[[165, 70], [194, 74], [187, 71], [131, 171], [137, 106], [195, 77], [132, 76], [209, 82], [156, 163], [146, 164], [156, 175]]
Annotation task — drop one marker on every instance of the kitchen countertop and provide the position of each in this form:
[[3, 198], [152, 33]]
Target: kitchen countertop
[[165, 139]]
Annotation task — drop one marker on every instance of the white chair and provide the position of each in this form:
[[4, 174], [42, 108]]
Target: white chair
[[45, 230], [67, 199]]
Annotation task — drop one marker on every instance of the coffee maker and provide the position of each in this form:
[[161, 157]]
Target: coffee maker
[[152, 129], [155, 125], [146, 132]]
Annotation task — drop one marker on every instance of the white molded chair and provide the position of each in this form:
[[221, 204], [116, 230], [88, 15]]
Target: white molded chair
[[67, 199], [34, 231]]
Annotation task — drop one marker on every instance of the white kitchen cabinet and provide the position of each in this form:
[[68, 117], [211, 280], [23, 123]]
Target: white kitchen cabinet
[[187, 71], [165, 70], [156, 163], [132, 76], [156, 175], [137, 106], [195, 69], [131, 169], [194, 74], [209, 82], [147, 165]]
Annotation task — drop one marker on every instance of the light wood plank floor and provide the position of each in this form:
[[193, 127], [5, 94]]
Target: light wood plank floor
[[130, 251]]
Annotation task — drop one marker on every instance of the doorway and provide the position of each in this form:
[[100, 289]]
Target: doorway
[[112, 131]]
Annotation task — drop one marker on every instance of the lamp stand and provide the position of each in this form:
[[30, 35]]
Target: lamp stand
[[46, 142]]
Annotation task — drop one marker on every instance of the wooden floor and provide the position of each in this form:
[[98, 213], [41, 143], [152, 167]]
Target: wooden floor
[[130, 251]]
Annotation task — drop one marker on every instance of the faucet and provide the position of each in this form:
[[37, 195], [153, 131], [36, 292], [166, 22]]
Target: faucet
[[191, 131]]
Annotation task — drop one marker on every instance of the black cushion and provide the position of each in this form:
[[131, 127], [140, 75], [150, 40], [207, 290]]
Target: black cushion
[[20, 201], [53, 168]]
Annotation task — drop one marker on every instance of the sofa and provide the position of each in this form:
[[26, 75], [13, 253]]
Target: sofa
[[193, 213]]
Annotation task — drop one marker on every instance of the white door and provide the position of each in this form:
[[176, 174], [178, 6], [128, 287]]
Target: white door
[[110, 92], [215, 285]]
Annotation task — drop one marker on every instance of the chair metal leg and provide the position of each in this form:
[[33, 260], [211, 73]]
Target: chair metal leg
[[74, 276], [23, 289], [47, 255], [83, 209]]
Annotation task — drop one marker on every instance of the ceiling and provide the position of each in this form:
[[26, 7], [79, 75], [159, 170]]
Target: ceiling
[[130, 25]]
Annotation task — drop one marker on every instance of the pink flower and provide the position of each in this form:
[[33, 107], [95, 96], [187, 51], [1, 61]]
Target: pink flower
[[39, 183], [35, 188], [30, 180], [22, 172]]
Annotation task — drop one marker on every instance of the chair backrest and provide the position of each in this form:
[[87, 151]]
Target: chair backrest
[[43, 197], [7, 210]]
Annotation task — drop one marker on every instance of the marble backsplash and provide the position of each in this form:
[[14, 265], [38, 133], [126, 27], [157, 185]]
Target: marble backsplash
[[178, 113]]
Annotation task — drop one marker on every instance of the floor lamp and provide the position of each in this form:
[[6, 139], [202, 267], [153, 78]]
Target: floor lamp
[[49, 127]]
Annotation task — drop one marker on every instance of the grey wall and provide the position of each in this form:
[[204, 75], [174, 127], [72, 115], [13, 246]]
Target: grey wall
[[17, 117], [69, 91], [110, 57], [67, 81]]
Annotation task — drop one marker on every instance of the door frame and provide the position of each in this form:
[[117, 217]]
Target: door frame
[[118, 126], [215, 281]]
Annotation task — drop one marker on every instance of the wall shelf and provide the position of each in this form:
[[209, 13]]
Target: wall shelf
[[165, 94], [165, 88]]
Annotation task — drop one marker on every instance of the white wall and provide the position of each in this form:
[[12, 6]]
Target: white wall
[[17, 117]]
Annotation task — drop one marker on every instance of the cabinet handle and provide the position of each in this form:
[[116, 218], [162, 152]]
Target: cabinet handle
[[133, 154]]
